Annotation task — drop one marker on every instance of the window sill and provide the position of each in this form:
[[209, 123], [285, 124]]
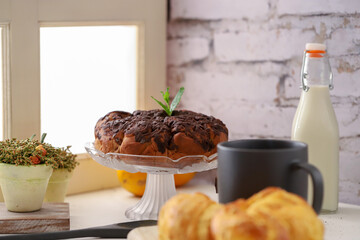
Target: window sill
[[91, 176]]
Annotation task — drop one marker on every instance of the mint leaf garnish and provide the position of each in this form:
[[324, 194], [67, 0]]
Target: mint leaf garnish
[[166, 96], [176, 100], [167, 107]]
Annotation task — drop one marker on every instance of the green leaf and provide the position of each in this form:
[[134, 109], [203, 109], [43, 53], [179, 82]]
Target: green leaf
[[166, 108], [32, 137], [43, 136], [166, 96], [177, 99], [170, 108]]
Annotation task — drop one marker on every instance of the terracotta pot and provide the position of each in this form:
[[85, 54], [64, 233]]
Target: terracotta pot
[[58, 185], [24, 187]]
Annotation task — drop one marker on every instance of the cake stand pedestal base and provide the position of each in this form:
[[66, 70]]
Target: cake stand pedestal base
[[160, 185], [159, 188]]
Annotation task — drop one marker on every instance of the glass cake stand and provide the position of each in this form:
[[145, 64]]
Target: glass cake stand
[[160, 171]]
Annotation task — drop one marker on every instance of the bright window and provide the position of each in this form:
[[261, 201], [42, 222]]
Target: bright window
[[85, 73]]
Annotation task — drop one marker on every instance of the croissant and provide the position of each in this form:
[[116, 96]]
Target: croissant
[[272, 214], [187, 216]]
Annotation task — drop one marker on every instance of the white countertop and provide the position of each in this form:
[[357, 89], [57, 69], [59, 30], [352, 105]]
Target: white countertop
[[108, 207]]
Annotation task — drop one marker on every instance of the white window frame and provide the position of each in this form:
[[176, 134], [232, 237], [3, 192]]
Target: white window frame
[[6, 79], [22, 20]]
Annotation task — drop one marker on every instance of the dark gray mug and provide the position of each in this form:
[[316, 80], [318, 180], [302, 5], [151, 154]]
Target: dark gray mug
[[245, 167]]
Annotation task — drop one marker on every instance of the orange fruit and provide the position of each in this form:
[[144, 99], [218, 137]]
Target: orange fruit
[[135, 182], [182, 179]]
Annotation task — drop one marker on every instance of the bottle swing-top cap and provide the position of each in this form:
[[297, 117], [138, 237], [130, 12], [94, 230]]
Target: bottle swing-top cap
[[315, 52], [315, 47]]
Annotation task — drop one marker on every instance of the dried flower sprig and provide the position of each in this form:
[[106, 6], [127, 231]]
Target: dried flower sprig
[[32, 152], [60, 157]]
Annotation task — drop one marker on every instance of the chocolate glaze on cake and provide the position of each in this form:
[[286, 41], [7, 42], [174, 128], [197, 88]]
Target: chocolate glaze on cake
[[155, 133]]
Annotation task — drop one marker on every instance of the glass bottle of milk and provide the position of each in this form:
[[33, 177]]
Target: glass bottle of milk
[[315, 121]]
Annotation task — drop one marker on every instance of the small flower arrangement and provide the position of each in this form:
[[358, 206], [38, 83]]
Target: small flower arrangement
[[29, 152], [27, 168]]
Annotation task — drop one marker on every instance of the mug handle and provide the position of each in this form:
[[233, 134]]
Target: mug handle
[[318, 184]]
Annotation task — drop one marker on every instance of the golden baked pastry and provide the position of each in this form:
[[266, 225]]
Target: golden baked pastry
[[299, 219], [232, 222], [187, 216], [272, 214], [155, 133]]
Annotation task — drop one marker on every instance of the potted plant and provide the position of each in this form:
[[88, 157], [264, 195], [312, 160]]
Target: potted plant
[[25, 169], [24, 174], [63, 163]]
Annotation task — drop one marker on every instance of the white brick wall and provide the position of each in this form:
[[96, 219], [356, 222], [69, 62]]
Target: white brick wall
[[181, 51], [305, 7], [344, 42], [240, 61], [348, 117], [254, 46], [346, 72], [349, 168], [237, 86], [256, 120], [184, 30], [214, 9]]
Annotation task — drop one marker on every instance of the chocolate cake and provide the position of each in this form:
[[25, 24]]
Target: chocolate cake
[[155, 133]]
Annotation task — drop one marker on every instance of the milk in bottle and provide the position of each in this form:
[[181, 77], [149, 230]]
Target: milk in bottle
[[315, 122]]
